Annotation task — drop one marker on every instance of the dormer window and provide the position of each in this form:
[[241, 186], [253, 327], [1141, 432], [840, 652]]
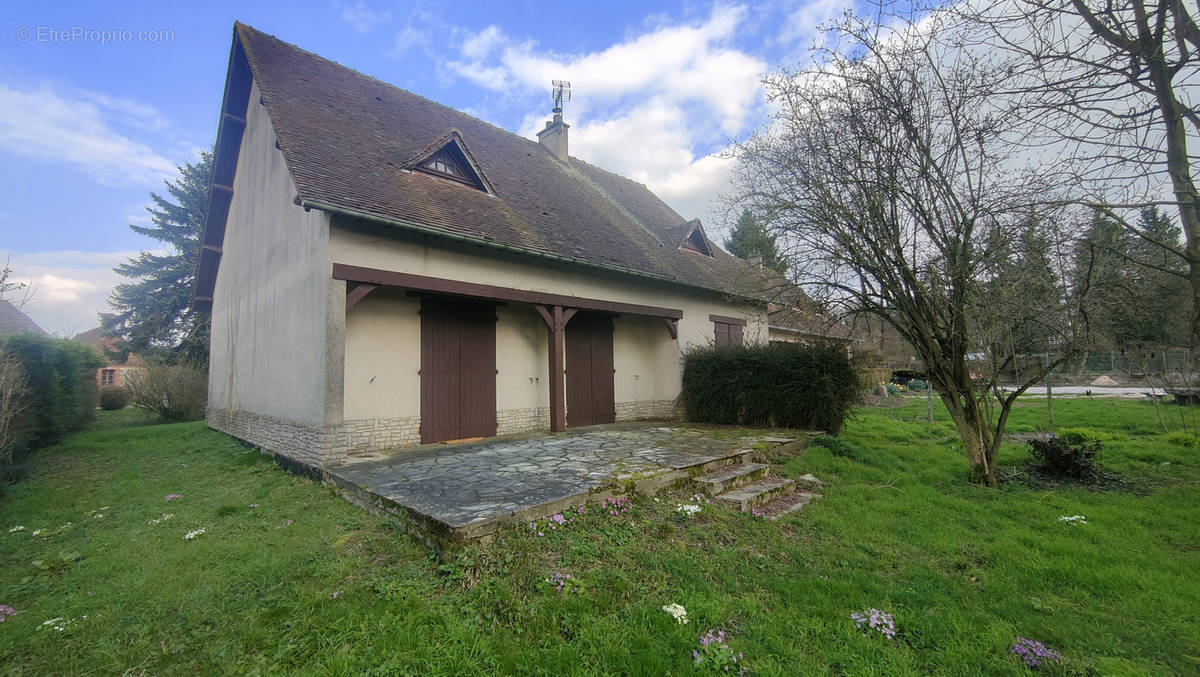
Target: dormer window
[[694, 240], [448, 158], [442, 163]]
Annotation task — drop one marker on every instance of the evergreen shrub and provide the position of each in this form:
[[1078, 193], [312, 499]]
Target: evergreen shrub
[[60, 379], [784, 385]]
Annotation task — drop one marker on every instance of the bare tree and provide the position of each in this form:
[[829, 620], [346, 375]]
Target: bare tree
[[1112, 92], [15, 292], [13, 389], [888, 176], [12, 378]]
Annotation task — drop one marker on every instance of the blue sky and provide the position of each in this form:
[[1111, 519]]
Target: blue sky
[[89, 128]]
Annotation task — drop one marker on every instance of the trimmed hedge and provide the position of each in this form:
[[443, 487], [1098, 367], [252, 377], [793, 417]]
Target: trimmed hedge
[[61, 381], [113, 398], [785, 385]]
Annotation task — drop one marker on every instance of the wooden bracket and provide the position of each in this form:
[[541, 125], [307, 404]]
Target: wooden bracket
[[672, 327], [357, 293]]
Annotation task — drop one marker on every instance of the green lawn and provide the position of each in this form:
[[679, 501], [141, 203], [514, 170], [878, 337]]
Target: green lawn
[[305, 582]]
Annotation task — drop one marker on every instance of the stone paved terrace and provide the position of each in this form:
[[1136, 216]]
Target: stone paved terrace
[[466, 491]]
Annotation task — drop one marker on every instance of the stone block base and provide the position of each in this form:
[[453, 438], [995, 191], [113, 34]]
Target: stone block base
[[304, 444], [374, 434], [320, 447], [510, 421], [647, 410]]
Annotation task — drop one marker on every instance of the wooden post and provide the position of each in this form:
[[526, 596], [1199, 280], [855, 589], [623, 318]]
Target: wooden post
[[556, 319]]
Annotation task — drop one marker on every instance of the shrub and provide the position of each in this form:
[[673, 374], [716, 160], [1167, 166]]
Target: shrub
[[176, 392], [61, 381], [786, 385], [1072, 455], [113, 398], [1181, 439], [917, 384], [837, 446]]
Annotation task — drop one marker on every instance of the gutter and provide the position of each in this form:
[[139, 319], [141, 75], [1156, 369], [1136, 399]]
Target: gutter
[[435, 232]]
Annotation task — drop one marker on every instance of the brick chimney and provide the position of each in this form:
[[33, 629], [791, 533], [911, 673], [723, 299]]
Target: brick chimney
[[554, 136]]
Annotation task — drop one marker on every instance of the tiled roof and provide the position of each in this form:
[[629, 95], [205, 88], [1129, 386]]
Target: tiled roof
[[346, 137], [13, 321]]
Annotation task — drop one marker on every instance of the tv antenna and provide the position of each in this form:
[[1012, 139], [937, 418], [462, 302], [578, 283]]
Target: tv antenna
[[561, 92]]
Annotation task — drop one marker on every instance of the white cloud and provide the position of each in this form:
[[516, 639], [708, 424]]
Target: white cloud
[[81, 129], [409, 38], [805, 22], [481, 44], [69, 287], [362, 18], [655, 107]]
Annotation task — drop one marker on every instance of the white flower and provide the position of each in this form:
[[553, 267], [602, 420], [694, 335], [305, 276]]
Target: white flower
[[677, 611], [166, 516], [688, 509], [37, 532], [1073, 519], [192, 534], [16, 529]]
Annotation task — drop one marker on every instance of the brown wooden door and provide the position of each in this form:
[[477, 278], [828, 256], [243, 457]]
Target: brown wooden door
[[458, 370], [589, 362]]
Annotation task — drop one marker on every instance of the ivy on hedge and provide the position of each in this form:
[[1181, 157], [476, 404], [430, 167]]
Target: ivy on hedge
[[784, 385], [61, 380]]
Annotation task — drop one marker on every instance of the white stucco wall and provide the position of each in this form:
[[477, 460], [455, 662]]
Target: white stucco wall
[[646, 359], [275, 307]]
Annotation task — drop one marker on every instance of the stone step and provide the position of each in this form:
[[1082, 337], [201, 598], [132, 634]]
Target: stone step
[[731, 477], [790, 504], [753, 495], [733, 458]]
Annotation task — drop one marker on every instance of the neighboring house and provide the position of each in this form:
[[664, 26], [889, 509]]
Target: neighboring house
[[385, 271], [13, 321], [113, 373], [792, 325]]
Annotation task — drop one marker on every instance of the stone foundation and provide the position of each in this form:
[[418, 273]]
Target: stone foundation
[[511, 421], [374, 434], [319, 447], [302, 443], [647, 409]]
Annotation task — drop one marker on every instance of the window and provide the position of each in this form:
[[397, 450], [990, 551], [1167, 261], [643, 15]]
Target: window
[[442, 163], [108, 377], [696, 243], [727, 331]]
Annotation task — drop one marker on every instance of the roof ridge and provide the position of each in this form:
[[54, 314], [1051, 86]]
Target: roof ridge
[[372, 78]]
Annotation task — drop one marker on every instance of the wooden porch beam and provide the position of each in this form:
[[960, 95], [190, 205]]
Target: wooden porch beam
[[389, 278], [556, 318]]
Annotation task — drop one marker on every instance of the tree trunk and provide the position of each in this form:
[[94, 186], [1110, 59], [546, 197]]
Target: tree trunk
[[972, 430]]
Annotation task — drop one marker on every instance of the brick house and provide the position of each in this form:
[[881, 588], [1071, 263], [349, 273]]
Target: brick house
[[384, 271], [113, 373]]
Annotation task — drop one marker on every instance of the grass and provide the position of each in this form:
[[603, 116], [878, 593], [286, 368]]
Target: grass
[[306, 583]]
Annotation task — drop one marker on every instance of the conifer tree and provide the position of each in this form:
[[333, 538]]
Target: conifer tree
[[152, 312], [749, 238]]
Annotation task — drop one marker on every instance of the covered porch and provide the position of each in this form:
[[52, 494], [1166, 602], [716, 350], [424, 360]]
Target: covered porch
[[563, 387]]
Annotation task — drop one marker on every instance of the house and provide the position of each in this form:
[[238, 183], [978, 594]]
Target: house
[[114, 373], [13, 321], [791, 324], [384, 271]]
